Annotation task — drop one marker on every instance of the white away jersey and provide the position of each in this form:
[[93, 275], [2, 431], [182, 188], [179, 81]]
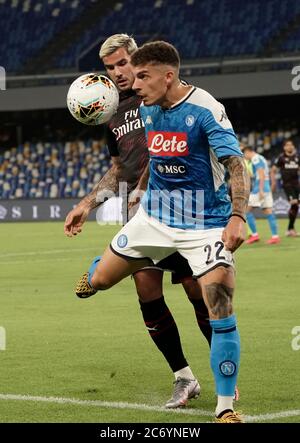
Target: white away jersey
[[186, 188]]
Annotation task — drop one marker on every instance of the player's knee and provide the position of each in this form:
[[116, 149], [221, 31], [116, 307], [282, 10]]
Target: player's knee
[[192, 288], [219, 298], [148, 285]]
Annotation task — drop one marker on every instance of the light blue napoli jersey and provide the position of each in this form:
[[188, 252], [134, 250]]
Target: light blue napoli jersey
[[259, 162], [186, 188]]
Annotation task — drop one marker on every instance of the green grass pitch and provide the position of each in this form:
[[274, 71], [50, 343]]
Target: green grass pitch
[[98, 349]]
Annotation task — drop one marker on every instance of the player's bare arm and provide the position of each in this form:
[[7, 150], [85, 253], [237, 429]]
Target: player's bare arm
[[234, 233], [108, 185], [273, 178], [261, 176], [137, 193]]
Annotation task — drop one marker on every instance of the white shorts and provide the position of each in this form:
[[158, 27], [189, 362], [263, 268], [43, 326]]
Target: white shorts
[[265, 203], [146, 237]]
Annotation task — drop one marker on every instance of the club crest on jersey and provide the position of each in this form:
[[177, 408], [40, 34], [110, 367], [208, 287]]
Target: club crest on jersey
[[148, 120], [189, 120], [163, 143]]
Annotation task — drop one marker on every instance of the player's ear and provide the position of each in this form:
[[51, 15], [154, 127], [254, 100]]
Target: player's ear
[[169, 77]]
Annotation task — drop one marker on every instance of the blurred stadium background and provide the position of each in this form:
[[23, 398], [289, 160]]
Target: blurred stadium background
[[243, 52]]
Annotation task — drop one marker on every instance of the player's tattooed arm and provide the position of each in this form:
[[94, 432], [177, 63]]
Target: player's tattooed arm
[[239, 184], [234, 233], [105, 188]]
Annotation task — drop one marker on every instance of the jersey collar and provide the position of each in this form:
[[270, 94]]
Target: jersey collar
[[182, 100]]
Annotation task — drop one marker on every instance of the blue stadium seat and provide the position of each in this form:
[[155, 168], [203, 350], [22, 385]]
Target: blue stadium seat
[[29, 26], [216, 28], [45, 176]]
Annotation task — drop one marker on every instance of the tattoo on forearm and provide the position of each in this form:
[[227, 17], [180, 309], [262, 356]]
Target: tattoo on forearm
[[239, 184], [108, 184], [219, 298]]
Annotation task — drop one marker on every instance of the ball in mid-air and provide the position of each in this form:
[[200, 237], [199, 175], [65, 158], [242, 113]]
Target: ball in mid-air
[[93, 99]]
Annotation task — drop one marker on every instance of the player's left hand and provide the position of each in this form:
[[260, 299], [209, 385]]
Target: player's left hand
[[135, 197], [234, 233]]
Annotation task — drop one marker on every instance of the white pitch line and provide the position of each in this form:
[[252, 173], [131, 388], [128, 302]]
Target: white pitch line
[[104, 404], [32, 260], [143, 407], [273, 416], [47, 251]]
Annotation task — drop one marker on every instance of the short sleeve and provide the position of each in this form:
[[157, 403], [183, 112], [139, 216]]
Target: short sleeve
[[219, 131], [278, 162], [112, 143], [258, 163]]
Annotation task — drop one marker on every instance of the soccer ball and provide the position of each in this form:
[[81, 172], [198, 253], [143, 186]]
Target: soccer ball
[[93, 99]]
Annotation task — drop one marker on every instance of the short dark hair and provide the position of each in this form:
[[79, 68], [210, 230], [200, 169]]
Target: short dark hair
[[247, 148], [288, 140], [158, 52]]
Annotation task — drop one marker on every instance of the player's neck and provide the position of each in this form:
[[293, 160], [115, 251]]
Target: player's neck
[[175, 94]]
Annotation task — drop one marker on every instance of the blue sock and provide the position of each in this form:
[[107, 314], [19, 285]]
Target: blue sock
[[251, 222], [92, 268], [225, 354], [272, 223]]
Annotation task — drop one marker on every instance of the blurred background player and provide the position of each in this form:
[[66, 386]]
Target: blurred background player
[[129, 152], [260, 196], [288, 163]]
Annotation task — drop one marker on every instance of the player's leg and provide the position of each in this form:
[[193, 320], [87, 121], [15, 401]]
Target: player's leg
[[164, 333], [212, 265], [112, 268], [106, 271], [194, 293], [217, 288], [293, 198], [182, 273], [254, 237], [293, 212], [127, 253], [268, 211]]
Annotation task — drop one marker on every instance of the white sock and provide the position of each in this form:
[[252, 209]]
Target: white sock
[[224, 403], [184, 373], [275, 236]]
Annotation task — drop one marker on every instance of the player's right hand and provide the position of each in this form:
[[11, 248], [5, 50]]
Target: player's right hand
[[75, 219], [234, 234], [261, 196]]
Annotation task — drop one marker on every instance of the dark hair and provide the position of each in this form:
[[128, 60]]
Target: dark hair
[[288, 140], [247, 148], [158, 52]]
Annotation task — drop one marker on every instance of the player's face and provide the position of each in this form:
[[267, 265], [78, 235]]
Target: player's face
[[247, 154], [289, 148], [119, 69], [150, 83]]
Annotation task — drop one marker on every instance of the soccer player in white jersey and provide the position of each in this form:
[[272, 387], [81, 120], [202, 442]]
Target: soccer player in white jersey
[[186, 207], [260, 197]]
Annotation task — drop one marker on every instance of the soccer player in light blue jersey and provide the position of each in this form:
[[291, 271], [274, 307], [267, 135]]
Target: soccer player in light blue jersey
[[186, 207], [261, 196]]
